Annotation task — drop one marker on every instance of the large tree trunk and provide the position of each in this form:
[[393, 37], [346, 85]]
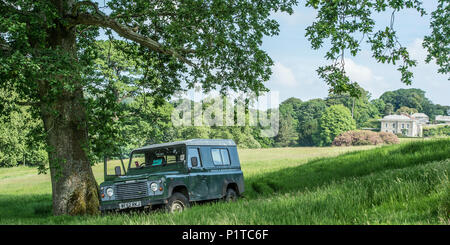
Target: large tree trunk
[[74, 188]]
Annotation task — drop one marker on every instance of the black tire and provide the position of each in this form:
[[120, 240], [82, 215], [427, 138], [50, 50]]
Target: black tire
[[177, 203], [231, 195]]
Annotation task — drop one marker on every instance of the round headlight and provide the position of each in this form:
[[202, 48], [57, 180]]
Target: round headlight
[[154, 186], [109, 192]]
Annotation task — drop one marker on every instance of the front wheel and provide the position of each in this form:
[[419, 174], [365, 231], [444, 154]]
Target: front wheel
[[177, 203], [231, 195]]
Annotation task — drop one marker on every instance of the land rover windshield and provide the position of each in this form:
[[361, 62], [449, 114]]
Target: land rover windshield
[[157, 157]]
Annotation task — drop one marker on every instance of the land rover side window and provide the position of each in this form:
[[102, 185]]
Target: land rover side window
[[217, 158], [220, 156], [225, 157], [194, 153], [169, 155]]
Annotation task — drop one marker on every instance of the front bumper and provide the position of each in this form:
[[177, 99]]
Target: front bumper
[[114, 205]]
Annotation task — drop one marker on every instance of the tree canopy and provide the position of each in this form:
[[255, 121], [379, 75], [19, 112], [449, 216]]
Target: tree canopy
[[361, 108], [414, 99], [335, 120]]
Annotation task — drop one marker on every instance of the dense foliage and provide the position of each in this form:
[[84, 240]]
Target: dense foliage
[[436, 131], [361, 108], [137, 121], [335, 120], [21, 141], [16, 143], [413, 100], [308, 116]]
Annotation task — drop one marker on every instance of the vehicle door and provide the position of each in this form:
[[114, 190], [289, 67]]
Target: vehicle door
[[198, 181], [221, 160]]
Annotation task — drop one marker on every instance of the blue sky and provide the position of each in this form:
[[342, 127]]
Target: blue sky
[[294, 72]]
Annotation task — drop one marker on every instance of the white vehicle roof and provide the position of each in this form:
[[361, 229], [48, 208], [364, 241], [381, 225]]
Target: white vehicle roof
[[196, 142]]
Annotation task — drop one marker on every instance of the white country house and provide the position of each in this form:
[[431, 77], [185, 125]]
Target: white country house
[[402, 124], [443, 119]]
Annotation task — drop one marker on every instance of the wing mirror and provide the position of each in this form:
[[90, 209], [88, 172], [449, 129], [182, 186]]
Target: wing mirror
[[194, 161], [118, 171]]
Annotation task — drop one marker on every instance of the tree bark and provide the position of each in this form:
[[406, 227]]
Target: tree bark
[[74, 189]]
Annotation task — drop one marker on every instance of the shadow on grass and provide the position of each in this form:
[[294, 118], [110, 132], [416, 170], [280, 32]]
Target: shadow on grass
[[25, 206], [37, 209]]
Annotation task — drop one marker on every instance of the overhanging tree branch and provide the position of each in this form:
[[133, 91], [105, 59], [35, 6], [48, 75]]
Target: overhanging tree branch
[[100, 19]]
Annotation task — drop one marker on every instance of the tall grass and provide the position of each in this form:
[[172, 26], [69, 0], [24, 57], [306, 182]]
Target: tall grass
[[321, 171], [401, 184]]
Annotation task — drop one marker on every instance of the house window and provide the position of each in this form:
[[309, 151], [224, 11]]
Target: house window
[[393, 125], [407, 125], [386, 125], [403, 125]]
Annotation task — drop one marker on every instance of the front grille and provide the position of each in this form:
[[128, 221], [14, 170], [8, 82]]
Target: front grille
[[131, 190]]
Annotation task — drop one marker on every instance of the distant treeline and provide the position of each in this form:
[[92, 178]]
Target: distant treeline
[[309, 123], [140, 120]]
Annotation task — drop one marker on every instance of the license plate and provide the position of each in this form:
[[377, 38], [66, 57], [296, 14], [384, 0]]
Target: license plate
[[130, 205]]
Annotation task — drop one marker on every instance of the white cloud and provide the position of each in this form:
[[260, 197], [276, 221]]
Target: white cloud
[[365, 77], [426, 75], [417, 51], [358, 73], [283, 75]]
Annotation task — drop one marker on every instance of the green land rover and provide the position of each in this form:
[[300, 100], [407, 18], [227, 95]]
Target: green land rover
[[174, 175]]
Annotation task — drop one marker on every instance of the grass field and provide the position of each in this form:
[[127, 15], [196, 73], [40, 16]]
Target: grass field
[[401, 184]]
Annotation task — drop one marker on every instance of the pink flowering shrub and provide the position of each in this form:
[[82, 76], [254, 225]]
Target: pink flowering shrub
[[389, 138], [364, 137]]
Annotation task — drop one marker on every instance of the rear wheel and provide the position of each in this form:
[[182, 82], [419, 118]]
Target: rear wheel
[[177, 203], [231, 195]]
